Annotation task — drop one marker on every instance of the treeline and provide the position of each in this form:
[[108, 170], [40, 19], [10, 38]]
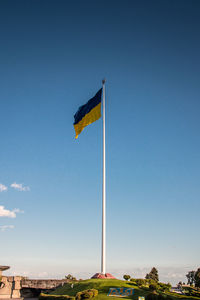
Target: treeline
[[193, 278], [151, 281]]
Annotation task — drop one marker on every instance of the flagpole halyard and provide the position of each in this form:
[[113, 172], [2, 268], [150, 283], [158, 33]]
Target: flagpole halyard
[[103, 257]]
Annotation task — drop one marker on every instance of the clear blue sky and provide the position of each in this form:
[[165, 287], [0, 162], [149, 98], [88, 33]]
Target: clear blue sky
[[53, 56]]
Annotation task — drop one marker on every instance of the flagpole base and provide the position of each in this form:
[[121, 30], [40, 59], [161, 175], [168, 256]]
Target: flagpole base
[[103, 276]]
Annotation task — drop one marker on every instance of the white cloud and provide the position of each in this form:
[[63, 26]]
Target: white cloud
[[4, 227], [17, 210], [9, 213], [20, 187], [3, 188]]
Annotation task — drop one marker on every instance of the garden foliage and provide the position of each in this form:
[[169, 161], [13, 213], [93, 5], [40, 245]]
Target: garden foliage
[[87, 294], [55, 297]]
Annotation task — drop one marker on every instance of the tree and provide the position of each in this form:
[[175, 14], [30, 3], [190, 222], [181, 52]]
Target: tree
[[126, 277], [153, 275], [197, 278], [70, 277], [179, 285], [190, 277]]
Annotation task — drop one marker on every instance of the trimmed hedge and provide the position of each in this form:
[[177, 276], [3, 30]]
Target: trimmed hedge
[[55, 297], [86, 294]]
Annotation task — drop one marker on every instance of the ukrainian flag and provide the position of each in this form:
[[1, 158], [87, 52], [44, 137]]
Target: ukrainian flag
[[88, 113]]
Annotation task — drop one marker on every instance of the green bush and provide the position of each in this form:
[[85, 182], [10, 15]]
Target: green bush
[[55, 297], [126, 277], [140, 282], [153, 287], [150, 281], [133, 280], [78, 296], [95, 292], [86, 294], [164, 287]]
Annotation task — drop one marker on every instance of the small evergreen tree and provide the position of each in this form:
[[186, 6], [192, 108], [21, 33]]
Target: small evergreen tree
[[153, 275]]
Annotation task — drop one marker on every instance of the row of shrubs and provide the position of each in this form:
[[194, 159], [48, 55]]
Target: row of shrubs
[[86, 294], [152, 284], [163, 287]]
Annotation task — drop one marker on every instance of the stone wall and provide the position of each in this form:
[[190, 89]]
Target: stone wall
[[43, 284], [17, 286], [11, 287]]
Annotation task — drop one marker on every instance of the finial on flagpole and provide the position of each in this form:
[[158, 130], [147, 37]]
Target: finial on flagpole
[[103, 81]]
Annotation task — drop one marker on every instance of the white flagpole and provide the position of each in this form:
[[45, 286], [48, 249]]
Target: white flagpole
[[103, 258]]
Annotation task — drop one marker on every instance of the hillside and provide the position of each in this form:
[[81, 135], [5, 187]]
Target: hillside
[[103, 285]]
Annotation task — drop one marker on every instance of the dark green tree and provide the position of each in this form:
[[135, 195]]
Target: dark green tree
[[190, 277], [153, 275], [197, 278], [126, 277]]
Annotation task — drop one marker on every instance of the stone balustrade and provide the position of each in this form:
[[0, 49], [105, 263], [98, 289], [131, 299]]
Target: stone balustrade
[[17, 287]]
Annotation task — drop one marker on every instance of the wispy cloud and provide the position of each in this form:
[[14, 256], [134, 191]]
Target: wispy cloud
[[17, 210], [5, 227], [9, 213], [3, 188], [20, 187]]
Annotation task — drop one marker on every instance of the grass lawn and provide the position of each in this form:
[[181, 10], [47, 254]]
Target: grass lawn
[[103, 285]]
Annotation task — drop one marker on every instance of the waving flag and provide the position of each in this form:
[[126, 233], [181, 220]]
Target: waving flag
[[88, 113]]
